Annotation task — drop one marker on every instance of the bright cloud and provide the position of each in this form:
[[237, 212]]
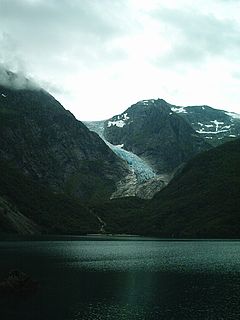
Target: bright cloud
[[98, 57]]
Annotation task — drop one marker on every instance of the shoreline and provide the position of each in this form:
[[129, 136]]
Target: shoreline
[[105, 237]]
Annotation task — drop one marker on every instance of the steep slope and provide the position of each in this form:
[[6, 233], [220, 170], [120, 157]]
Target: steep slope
[[45, 141], [28, 208], [13, 221], [151, 130], [216, 126], [202, 201]]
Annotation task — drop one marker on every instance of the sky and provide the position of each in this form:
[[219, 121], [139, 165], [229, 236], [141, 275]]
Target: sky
[[98, 57]]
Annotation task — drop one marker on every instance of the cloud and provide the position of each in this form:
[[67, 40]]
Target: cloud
[[16, 80], [64, 30], [196, 37], [98, 56]]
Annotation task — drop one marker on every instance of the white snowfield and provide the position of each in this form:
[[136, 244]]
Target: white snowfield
[[233, 115], [179, 109], [120, 122]]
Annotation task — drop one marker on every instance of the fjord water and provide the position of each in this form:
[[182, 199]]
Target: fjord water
[[126, 278]]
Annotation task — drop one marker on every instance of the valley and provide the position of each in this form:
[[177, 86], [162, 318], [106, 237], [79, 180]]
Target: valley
[[154, 169]]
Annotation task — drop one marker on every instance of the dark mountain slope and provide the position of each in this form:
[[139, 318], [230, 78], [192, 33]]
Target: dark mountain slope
[[203, 200], [28, 208], [154, 132], [216, 126], [122, 215], [13, 221], [38, 136]]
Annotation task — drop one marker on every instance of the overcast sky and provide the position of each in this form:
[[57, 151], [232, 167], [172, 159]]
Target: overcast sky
[[97, 57]]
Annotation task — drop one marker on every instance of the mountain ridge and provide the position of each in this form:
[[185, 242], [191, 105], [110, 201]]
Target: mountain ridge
[[46, 142]]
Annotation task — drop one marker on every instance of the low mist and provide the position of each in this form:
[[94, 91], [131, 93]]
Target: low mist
[[16, 80]]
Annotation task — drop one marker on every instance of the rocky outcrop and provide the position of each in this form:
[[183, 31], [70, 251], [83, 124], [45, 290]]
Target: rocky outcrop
[[131, 186], [13, 221]]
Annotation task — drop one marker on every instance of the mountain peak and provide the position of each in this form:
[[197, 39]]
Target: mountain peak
[[152, 102], [16, 81]]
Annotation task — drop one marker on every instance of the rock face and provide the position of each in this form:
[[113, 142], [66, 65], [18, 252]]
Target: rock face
[[151, 130], [131, 186], [13, 221], [46, 142], [216, 126]]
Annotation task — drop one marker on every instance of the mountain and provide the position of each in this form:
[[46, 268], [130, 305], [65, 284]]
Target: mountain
[[151, 130], [153, 140], [13, 221], [26, 207], [142, 180], [45, 141], [202, 201], [216, 126]]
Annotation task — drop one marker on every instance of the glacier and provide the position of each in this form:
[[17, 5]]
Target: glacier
[[138, 166]]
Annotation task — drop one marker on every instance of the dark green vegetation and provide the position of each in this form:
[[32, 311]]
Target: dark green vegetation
[[201, 201], [121, 215], [51, 212]]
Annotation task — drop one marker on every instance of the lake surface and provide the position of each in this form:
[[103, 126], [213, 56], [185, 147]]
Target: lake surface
[[128, 278]]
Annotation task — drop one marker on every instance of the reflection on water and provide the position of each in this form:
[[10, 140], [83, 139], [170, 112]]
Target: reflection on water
[[93, 280]]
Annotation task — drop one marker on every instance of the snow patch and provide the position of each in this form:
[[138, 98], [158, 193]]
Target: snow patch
[[179, 109], [147, 102], [233, 115], [227, 127], [119, 123], [211, 132], [217, 123]]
